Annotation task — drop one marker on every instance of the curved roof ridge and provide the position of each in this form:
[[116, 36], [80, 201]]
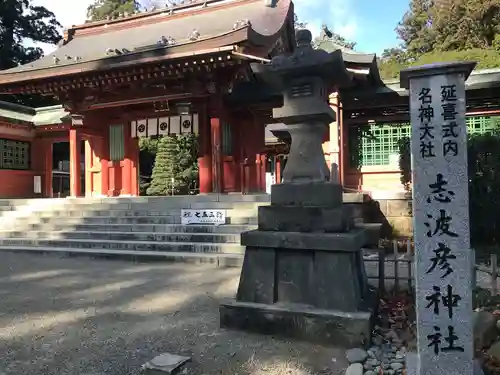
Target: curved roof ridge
[[135, 19], [17, 107]]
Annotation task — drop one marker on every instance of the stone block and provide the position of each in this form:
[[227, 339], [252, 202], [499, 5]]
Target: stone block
[[165, 363], [355, 197], [257, 276], [307, 195], [295, 276], [304, 219], [373, 231], [350, 241], [305, 276], [357, 211], [320, 326], [337, 269]]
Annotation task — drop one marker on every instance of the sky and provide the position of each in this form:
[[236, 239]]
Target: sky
[[369, 23]]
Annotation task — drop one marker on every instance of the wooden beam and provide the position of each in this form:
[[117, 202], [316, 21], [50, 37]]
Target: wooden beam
[[169, 70], [363, 120]]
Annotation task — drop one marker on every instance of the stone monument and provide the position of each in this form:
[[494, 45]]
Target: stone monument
[[303, 273], [441, 219]]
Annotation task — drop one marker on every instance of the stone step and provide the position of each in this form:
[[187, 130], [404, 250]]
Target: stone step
[[136, 207], [218, 259], [104, 220], [194, 247], [180, 238], [127, 213], [176, 200], [161, 228]]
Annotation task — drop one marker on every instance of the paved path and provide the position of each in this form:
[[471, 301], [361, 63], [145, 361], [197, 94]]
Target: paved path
[[80, 316]]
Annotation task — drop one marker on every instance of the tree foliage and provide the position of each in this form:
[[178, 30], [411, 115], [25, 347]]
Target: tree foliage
[[484, 183], [449, 25], [148, 144], [486, 58], [21, 22], [446, 30], [164, 171], [414, 29], [176, 166], [109, 9]]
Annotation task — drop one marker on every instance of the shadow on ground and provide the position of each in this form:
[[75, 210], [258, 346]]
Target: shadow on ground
[[83, 316]]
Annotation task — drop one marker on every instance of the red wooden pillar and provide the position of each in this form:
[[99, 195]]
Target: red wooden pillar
[[260, 167], [75, 178], [115, 168], [343, 144], [126, 163], [104, 156], [47, 168], [258, 146], [277, 164], [217, 171], [134, 170], [115, 178], [205, 155], [263, 164]]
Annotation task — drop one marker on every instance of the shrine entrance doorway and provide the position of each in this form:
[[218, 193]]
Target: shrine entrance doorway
[[93, 167], [59, 172]]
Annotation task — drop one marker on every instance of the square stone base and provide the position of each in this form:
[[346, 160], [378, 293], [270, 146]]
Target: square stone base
[[298, 321]]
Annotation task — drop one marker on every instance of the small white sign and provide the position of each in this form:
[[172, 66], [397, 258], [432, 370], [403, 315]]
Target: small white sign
[[37, 184], [215, 217], [270, 180]]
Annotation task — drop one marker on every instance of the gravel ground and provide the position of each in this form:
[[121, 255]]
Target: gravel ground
[[93, 317]]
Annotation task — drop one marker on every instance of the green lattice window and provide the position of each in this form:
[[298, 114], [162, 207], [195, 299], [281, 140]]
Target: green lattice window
[[377, 144], [482, 124], [14, 154], [116, 143], [227, 139]]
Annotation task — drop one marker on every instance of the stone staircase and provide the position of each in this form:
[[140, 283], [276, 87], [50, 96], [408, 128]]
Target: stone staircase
[[142, 226], [129, 227]]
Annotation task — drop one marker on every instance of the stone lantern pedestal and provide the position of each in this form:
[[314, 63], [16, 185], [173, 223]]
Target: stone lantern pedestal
[[303, 274]]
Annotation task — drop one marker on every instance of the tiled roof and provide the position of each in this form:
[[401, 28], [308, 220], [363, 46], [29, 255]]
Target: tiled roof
[[101, 41], [37, 116]]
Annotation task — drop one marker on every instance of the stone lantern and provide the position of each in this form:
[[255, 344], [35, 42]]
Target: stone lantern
[[303, 273], [304, 79]]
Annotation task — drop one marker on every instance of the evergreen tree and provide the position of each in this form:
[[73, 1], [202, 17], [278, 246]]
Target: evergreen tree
[[20, 21], [449, 25], [110, 9], [165, 168], [176, 158], [446, 30], [187, 162], [415, 29]]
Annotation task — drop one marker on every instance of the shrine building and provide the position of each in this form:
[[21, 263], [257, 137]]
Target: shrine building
[[186, 69]]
